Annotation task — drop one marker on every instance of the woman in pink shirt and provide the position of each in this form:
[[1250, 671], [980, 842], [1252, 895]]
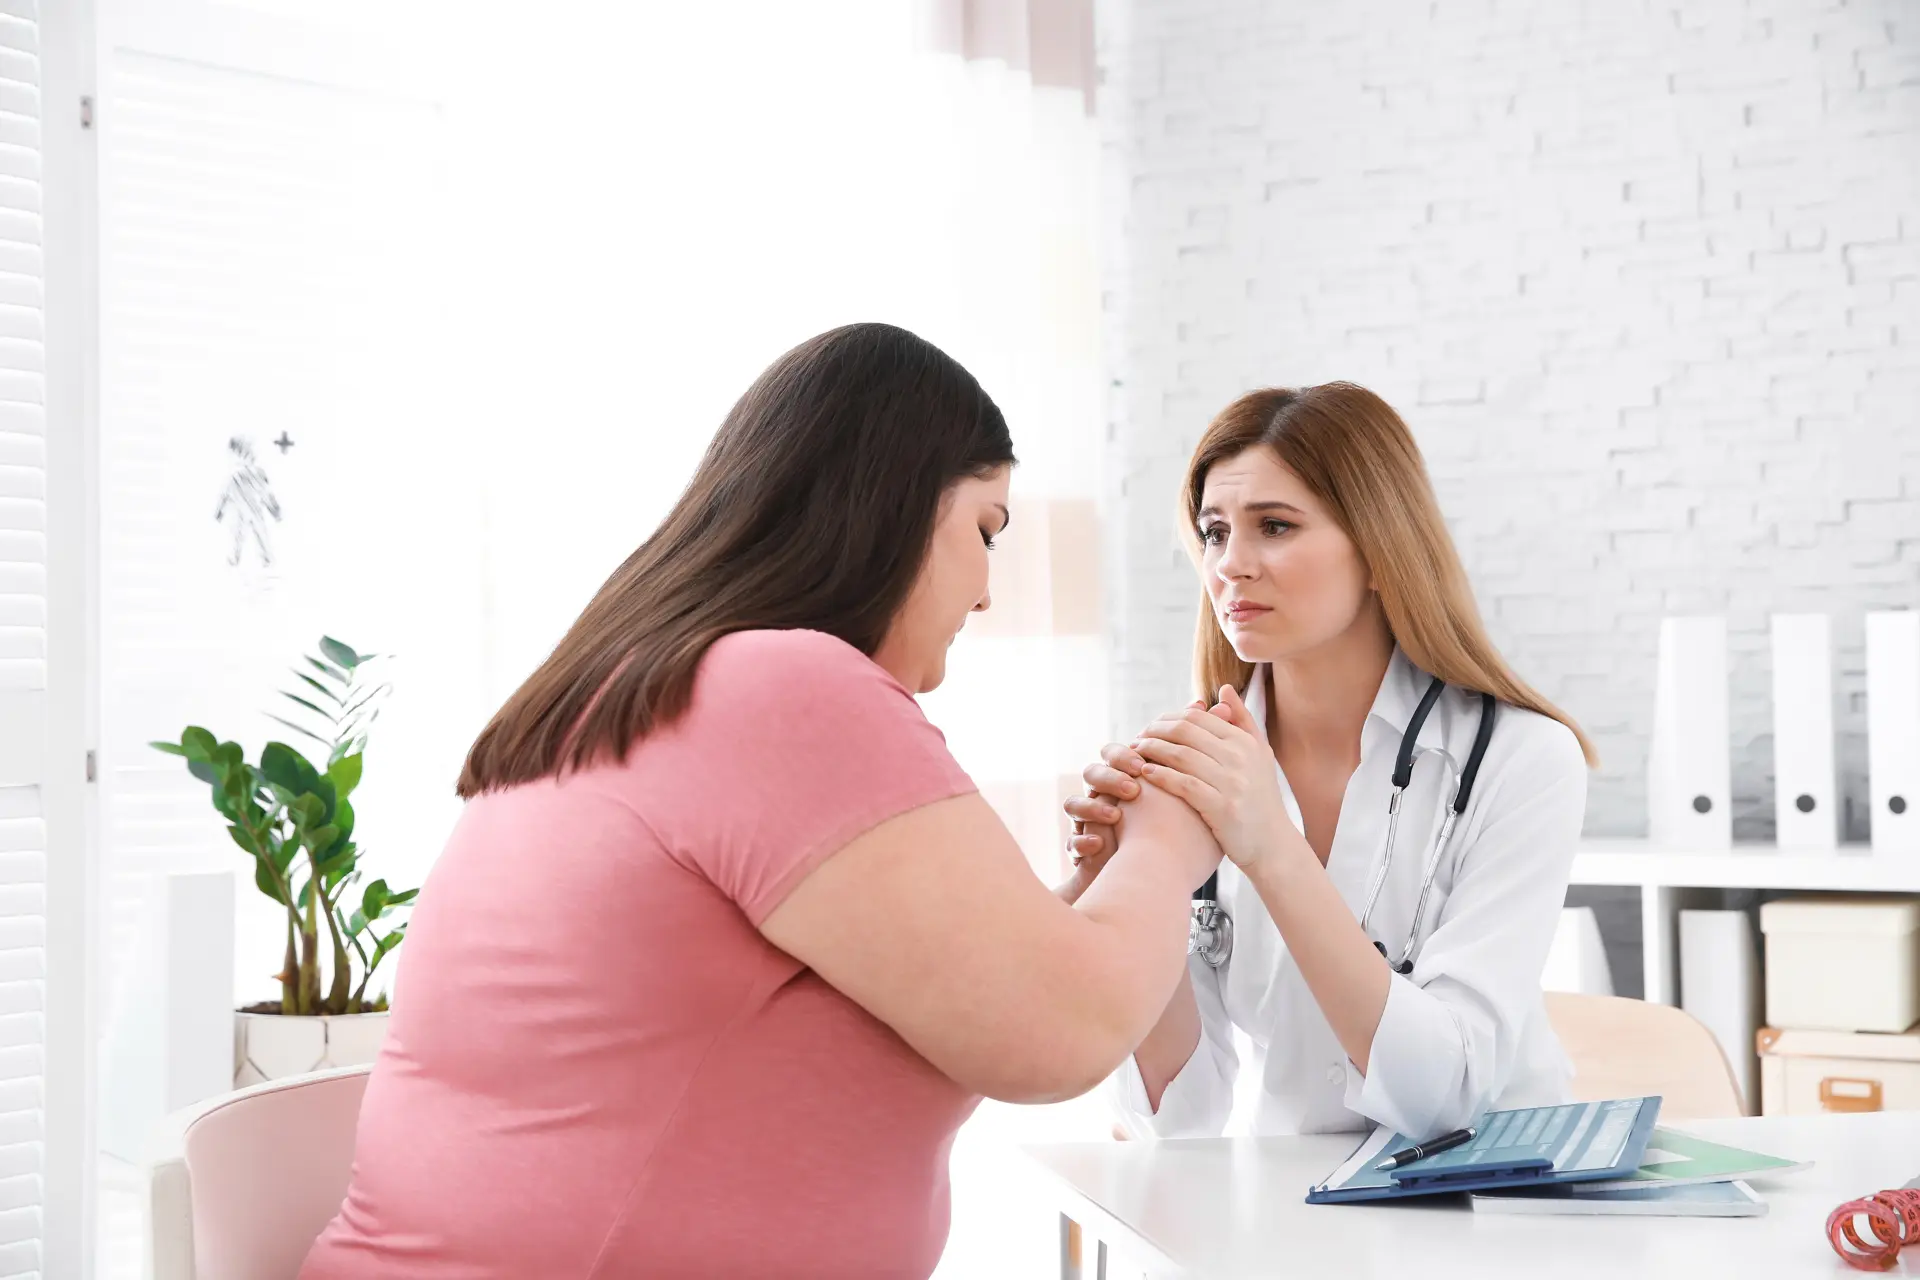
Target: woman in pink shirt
[[726, 946]]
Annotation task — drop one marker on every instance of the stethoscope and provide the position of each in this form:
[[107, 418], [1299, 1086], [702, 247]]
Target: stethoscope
[[1210, 930]]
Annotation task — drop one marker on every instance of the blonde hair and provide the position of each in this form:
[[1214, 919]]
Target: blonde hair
[[1354, 453]]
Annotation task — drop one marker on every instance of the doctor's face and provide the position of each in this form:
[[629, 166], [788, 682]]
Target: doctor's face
[[952, 582], [1283, 576]]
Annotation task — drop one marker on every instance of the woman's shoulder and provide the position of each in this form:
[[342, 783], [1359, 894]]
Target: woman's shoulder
[[1526, 746], [1532, 756], [786, 646], [774, 668]]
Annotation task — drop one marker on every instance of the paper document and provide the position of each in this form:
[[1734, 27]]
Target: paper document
[[1677, 1159], [1643, 1200]]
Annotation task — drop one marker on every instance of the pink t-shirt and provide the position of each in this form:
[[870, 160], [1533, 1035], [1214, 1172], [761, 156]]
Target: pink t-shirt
[[597, 1067]]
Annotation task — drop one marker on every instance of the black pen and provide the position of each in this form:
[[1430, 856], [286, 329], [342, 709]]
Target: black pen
[[1421, 1150]]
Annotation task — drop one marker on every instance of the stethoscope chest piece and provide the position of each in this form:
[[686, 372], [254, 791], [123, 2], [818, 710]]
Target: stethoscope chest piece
[[1210, 930]]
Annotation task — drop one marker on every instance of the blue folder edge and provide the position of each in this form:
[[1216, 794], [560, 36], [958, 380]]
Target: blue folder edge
[[1630, 1156]]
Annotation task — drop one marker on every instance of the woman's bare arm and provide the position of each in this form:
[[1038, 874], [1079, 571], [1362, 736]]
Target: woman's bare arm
[[935, 924]]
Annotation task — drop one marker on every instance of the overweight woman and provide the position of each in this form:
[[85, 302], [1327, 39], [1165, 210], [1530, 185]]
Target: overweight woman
[[726, 946]]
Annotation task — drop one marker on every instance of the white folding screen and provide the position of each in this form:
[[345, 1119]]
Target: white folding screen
[[24, 624]]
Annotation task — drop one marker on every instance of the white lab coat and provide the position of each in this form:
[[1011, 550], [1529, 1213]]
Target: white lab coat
[[1466, 1030]]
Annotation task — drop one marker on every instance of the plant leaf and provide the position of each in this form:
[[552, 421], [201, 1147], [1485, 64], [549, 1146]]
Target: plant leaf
[[324, 692], [337, 676], [332, 868], [374, 900], [263, 881], [236, 784], [362, 699], [288, 769], [199, 744], [294, 697], [401, 899], [299, 728], [343, 818], [382, 946], [171, 748], [230, 801], [344, 774], [338, 654], [278, 765]]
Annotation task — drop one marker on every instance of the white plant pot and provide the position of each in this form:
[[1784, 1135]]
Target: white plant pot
[[271, 1046]]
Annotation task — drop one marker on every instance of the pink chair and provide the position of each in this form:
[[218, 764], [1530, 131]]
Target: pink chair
[[240, 1185]]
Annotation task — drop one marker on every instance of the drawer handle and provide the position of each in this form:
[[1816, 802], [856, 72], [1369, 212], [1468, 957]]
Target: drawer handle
[[1842, 1093]]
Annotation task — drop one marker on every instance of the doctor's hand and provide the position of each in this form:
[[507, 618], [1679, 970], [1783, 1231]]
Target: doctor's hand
[[1218, 761], [1096, 815]]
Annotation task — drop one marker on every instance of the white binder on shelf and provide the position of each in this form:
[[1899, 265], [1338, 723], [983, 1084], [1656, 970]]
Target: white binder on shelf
[[1689, 766], [1577, 960], [1720, 986], [1893, 731], [1806, 803]]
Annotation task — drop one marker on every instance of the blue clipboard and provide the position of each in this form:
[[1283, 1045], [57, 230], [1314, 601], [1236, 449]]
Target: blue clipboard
[[1538, 1146]]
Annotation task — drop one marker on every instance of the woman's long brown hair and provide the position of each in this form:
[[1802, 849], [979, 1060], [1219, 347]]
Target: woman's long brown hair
[[813, 508], [1357, 457]]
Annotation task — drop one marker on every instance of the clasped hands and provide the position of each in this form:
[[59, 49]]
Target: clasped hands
[[1215, 758]]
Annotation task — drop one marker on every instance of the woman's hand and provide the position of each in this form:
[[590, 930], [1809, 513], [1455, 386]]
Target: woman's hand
[[1113, 791], [1218, 761], [1096, 815], [1159, 820]]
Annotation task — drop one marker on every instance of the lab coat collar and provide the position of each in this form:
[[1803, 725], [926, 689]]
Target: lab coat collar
[[1399, 697]]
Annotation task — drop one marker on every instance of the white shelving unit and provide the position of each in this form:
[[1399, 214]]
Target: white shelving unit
[[1670, 879]]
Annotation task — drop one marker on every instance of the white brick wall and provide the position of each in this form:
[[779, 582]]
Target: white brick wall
[[1643, 275]]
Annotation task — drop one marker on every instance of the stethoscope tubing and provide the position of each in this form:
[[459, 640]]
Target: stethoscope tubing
[[1210, 931]]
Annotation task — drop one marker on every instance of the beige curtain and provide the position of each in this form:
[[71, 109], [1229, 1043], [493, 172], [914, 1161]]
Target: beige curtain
[[1050, 40], [1026, 702]]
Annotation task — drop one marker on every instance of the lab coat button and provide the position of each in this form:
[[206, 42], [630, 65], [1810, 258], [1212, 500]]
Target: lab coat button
[[1336, 1075]]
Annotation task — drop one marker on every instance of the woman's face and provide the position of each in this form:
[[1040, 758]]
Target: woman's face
[[1282, 575], [952, 582]]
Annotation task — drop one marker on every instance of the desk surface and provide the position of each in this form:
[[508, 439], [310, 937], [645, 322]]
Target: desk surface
[[1233, 1207]]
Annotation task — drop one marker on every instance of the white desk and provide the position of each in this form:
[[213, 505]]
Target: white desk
[[1228, 1208]]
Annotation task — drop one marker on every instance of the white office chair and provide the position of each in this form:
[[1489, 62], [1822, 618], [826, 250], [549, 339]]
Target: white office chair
[[240, 1186]]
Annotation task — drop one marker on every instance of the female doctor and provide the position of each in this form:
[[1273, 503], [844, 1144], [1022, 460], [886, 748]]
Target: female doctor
[[1398, 810]]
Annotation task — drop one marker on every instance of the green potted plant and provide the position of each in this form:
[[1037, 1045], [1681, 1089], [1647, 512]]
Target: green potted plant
[[295, 820]]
